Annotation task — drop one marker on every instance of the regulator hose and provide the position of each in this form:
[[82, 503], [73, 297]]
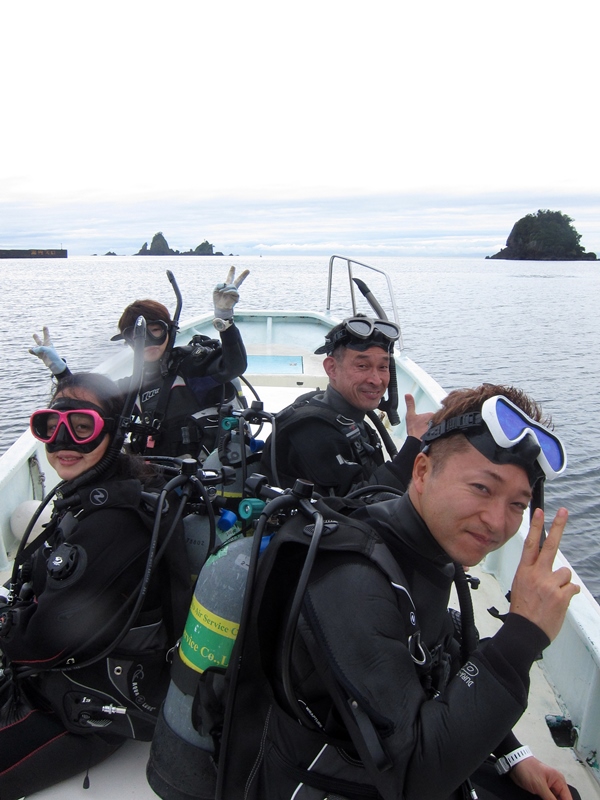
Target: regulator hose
[[383, 432]]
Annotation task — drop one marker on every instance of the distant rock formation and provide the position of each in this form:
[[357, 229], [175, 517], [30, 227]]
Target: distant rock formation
[[545, 236], [160, 247]]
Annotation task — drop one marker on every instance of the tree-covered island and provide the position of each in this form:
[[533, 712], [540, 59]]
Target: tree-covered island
[[545, 236], [160, 247]]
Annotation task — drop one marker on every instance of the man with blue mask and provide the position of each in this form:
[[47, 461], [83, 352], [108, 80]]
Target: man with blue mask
[[324, 438], [396, 697]]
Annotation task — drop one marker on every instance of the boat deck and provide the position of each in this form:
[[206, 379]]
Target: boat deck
[[123, 775]]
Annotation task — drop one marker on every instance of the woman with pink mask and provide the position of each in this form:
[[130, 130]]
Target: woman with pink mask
[[87, 625]]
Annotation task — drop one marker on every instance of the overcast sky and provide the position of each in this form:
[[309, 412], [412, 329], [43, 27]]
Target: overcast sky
[[421, 128]]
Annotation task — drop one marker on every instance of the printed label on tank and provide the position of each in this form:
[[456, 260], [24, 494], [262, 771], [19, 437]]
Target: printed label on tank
[[207, 639]]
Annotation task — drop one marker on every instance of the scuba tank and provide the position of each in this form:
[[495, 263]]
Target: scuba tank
[[186, 744], [199, 541], [181, 764]]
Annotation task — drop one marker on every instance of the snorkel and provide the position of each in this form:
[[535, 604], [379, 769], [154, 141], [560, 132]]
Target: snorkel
[[174, 325], [389, 404]]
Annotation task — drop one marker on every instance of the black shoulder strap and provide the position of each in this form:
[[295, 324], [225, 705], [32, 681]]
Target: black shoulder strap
[[154, 425], [375, 549]]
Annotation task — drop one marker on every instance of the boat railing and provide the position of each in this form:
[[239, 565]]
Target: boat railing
[[350, 262]]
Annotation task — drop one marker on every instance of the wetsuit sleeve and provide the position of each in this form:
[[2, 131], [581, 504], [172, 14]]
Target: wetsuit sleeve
[[434, 743], [398, 471], [320, 454], [229, 362], [64, 374], [84, 611], [402, 463]]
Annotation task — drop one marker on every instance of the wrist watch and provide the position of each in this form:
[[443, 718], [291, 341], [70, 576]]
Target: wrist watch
[[222, 324], [507, 762]]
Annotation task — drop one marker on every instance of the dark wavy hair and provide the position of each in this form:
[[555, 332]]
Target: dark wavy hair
[[150, 310], [106, 391]]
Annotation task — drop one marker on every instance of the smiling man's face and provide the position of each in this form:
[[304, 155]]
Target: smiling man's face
[[360, 376], [471, 505]]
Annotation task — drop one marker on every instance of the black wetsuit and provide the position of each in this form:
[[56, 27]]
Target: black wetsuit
[[317, 450], [51, 723], [197, 379], [437, 726]]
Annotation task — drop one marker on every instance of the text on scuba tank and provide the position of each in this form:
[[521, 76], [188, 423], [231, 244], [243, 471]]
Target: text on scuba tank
[[207, 639], [206, 618]]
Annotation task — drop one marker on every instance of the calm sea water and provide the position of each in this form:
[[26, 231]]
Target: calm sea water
[[533, 324]]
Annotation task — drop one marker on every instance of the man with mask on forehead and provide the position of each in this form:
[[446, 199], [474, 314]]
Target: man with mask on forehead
[[324, 438], [394, 696]]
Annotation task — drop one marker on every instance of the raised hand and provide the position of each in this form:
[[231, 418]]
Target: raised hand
[[538, 593], [226, 295], [416, 424], [45, 352]]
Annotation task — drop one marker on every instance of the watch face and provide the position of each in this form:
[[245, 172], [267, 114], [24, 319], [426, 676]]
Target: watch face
[[221, 324]]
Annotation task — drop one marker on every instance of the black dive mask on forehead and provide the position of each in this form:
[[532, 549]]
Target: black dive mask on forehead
[[63, 438], [361, 333]]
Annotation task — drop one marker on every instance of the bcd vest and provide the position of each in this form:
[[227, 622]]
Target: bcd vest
[[364, 447], [179, 414], [119, 693], [252, 764]]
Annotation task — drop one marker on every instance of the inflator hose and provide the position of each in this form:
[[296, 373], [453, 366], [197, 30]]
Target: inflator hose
[[467, 616], [383, 432], [294, 615]]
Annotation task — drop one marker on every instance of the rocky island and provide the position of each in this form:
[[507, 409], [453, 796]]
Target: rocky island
[[545, 236], [160, 247]]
